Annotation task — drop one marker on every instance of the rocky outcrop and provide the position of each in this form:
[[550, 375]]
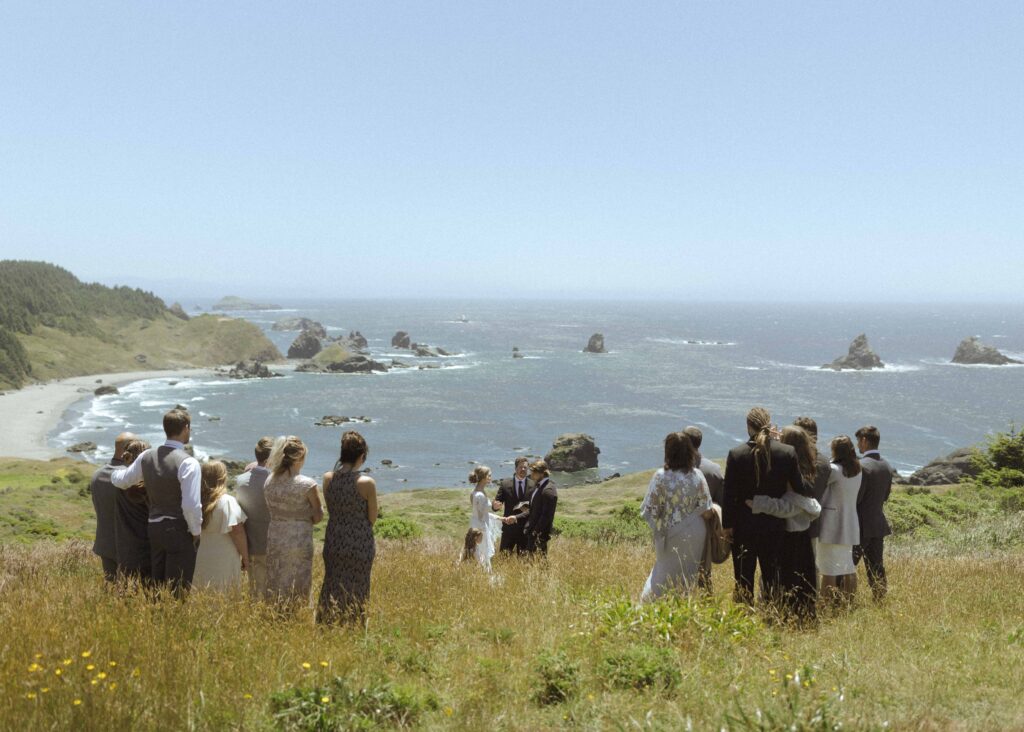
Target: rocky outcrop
[[82, 447], [251, 370], [357, 339], [516, 353], [572, 452], [401, 340], [233, 302], [178, 311], [334, 420], [595, 344], [972, 351], [860, 357], [301, 324], [107, 389], [946, 470], [306, 345], [336, 360]]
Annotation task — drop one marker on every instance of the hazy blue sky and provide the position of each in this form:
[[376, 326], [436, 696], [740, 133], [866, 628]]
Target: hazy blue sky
[[726, 150]]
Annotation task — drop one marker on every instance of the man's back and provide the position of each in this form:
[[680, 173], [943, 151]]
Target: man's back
[[249, 492], [713, 475], [104, 501], [875, 487], [742, 484]]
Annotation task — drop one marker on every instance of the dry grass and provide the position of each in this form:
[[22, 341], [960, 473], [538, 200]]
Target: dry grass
[[465, 651]]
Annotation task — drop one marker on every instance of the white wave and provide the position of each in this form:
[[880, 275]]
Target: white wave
[[156, 403], [750, 368], [689, 342], [889, 368]]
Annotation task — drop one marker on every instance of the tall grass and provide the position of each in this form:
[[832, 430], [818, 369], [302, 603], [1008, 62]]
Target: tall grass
[[534, 646]]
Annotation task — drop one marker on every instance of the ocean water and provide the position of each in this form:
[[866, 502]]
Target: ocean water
[[669, 365]]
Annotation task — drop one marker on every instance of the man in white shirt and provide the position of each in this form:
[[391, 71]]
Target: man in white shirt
[[173, 483]]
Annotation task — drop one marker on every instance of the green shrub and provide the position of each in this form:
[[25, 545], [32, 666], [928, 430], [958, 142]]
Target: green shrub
[[1012, 501], [641, 667], [625, 524], [910, 513], [340, 706], [396, 527], [559, 679], [671, 616], [1001, 463]]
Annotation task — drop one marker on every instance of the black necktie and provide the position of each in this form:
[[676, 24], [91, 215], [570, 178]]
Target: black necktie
[[519, 490]]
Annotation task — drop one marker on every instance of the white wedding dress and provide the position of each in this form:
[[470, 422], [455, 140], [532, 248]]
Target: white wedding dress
[[482, 518]]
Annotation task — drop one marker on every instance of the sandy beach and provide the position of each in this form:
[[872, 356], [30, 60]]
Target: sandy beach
[[29, 415]]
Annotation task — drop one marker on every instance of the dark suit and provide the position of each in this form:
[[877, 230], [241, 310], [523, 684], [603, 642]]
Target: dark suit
[[757, 538], [875, 487], [542, 516], [104, 502], [512, 534], [824, 469]]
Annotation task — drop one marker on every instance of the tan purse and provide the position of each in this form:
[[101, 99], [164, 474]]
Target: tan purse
[[717, 546]]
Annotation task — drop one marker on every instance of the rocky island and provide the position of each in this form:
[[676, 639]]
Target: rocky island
[[572, 452], [971, 351], [860, 357], [595, 344]]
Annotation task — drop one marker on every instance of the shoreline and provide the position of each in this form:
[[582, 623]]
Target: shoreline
[[30, 414]]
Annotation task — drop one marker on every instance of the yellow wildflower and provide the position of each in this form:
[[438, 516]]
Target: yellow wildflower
[[112, 664], [57, 672], [789, 677], [324, 664], [33, 667], [325, 700], [77, 702], [86, 654], [68, 661], [38, 656], [45, 690], [101, 675], [448, 711], [94, 682], [90, 667], [307, 665], [135, 673], [30, 695], [247, 696], [112, 685]]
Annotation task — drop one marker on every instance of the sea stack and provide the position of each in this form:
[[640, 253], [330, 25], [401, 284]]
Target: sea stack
[[860, 357], [595, 344], [971, 351], [572, 452], [401, 340], [306, 345]]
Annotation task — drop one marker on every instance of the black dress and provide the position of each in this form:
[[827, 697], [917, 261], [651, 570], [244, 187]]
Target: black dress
[[349, 550]]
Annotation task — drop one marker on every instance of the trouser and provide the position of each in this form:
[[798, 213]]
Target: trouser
[[872, 550], [536, 542], [751, 550], [258, 575], [173, 554], [512, 539], [109, 568]]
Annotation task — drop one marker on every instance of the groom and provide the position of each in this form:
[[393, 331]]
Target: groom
[[510, 494]]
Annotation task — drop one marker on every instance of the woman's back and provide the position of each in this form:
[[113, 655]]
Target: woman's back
[[218, 564], [349, 549], [839, 523], [286, 497]]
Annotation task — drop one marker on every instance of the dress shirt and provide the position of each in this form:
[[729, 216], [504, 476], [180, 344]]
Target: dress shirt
[[190, 477], [520, 484]]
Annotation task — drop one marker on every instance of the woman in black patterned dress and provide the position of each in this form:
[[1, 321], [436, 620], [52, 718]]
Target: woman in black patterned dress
[[348, 546]]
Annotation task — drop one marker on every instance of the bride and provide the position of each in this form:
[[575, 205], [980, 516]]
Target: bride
[[481, 518]]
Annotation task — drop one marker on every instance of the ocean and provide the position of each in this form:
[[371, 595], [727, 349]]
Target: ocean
[[669, 364]]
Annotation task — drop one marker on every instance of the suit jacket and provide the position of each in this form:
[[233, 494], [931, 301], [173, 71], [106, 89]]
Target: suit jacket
[[875, 487], [713, 475], [824, 468], [104, 502], [542, 509], [507, 494], [741, 485]]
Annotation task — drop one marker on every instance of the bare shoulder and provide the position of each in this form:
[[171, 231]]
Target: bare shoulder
[[365, 481]]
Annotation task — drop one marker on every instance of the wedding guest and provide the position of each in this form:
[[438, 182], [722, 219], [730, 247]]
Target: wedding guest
[[798, 572], [823, 468], [249, 490], [223, 550], [349, 546], [172, 479], [132, 523], [712, 471], [104, 503], [470, 544], [541, 511], [760, 466], [480, 517], [676, 505], [875, 487], [294, 505], [840, 527], [512, 493]]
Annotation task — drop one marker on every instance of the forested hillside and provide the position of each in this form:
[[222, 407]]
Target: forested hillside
[[52, 325]]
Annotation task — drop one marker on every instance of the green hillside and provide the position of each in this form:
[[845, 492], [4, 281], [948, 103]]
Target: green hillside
[[52, 325]]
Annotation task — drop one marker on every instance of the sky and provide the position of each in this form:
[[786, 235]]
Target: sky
[[815, 151]]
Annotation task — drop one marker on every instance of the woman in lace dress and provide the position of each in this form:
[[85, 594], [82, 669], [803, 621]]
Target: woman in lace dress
[[677, 502], [349, 547], [223, 550], [481, 518], [294, 506]]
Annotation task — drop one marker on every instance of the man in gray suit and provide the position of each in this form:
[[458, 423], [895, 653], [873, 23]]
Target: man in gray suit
[[875, 487], [249, 491], [104, 502], [712, 470]]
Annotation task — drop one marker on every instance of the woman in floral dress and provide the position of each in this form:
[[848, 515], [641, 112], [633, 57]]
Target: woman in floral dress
[[349, 547], [677, 502]]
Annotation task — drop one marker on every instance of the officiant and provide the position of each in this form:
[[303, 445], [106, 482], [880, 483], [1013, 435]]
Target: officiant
[[511, 493]]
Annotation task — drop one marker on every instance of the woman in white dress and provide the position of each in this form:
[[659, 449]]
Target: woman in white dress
[[481, 518], [223, 549], [675, 507], [840, 527]]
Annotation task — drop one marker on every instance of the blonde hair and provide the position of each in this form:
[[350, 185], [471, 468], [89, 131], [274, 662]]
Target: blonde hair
[[478, 474], [760, 421], [215, 485], [539, 466], [286, 452]]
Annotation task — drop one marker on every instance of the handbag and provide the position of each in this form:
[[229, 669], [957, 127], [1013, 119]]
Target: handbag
[[717, 546]]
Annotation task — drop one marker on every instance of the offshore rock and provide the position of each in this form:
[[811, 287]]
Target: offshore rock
[[306, 345], [971, 351], [860, 357], [572, 452], [595, 344], [301, 324]]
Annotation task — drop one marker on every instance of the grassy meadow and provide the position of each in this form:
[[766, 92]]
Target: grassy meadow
[[560, 644]]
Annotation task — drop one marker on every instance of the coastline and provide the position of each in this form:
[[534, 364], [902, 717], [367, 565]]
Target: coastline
[[29, 415]]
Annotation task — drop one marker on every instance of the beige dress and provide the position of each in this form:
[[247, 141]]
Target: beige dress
[[289, 537]]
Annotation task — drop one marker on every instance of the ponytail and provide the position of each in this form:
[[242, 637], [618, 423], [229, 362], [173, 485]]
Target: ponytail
[[760, 423]]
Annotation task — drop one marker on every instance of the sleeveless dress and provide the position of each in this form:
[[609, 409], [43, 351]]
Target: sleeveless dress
[[481, 518], [289, 537], [673, 508], [349, 549], [218, 564]]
